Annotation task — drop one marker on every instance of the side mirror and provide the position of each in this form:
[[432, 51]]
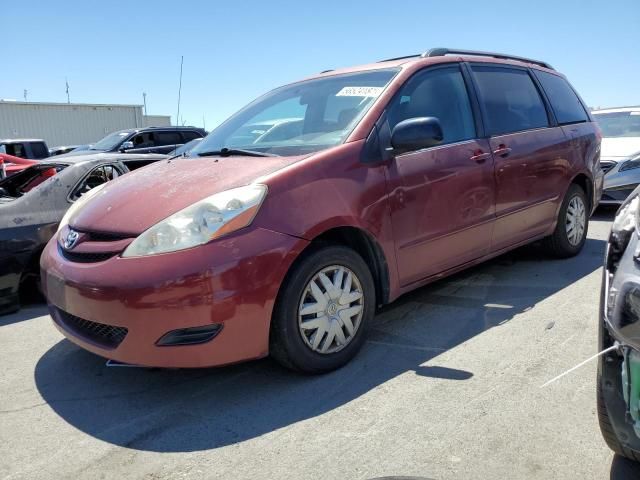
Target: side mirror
[[416, 133], [126, 146]]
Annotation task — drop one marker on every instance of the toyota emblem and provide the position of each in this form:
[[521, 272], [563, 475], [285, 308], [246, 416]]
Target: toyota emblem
[[71, 240]]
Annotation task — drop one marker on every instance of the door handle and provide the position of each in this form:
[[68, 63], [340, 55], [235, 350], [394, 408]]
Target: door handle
[[502, 151], [479, 157]]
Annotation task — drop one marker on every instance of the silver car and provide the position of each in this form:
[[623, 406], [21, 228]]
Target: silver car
[[620, 152]]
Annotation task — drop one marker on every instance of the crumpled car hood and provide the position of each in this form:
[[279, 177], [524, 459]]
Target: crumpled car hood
[[138, 200]]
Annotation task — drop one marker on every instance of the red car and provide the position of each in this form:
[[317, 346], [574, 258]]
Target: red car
[[10, 164], [321, 201]]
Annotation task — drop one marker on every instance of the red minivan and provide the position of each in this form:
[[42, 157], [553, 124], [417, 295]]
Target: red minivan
[[320, 201]]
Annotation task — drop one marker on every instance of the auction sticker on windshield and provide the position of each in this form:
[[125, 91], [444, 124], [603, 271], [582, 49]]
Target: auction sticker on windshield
[[359, 92]]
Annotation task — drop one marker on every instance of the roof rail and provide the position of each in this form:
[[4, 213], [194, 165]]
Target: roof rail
[[440, 52], [398, 58]]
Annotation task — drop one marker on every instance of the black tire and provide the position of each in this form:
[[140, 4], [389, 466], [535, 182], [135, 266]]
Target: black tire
[[287, 346], [606, 426], [608, 432], [624, 469], [558, 244]]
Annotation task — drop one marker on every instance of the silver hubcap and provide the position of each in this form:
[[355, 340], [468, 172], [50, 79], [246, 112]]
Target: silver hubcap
[[331, 309], [576, 220]]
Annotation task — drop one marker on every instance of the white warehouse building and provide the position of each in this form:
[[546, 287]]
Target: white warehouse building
[[71, 123]]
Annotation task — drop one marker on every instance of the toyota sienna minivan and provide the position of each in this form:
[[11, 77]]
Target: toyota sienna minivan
[[320, 201]]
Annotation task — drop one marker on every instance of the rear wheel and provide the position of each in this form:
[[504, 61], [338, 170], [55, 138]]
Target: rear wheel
[[573, 221], [322, 312]]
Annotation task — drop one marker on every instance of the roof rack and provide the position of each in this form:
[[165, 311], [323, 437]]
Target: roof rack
[[440, 52], [398, 58]]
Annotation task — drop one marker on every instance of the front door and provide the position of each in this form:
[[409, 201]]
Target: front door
[[442, 198]]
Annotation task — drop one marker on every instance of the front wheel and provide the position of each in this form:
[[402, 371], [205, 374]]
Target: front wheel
[[322, 312], [571, 230]]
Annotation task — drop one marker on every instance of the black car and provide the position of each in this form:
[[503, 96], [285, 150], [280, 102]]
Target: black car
[[146, 140], [61, 150], [32, 204], [618, 383]]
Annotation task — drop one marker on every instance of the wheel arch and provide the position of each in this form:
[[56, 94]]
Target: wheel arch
[[586, 183], [361, 242]]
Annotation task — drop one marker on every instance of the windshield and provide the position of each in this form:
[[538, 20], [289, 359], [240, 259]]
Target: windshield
[[110, 141], [300, 118], [619, 124]]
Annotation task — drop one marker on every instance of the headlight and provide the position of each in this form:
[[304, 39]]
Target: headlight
[[77, 204], [213, 217], [626, 218], [630, 164]]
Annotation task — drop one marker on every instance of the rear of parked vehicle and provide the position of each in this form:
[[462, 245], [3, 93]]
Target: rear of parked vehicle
[[320, 201]]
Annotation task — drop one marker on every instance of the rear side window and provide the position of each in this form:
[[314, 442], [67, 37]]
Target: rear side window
[[98, 176], [38, 150], [511, 100], [564, 101], [168, 138], [439, 93], [189, 135]]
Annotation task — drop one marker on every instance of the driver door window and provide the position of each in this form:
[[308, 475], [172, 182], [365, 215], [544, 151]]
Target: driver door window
[[96, 177], [439, 93], [144, 140]]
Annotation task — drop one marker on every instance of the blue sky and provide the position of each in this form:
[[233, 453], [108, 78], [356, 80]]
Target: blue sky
[[113, 51]]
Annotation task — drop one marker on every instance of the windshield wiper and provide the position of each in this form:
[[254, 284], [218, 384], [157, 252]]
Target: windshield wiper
[[227, 152]]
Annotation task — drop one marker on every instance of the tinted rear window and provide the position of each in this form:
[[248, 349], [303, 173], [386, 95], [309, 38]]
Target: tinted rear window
[[511, 100], [39, 150], [564, 101], [168, 138], [189, 135]]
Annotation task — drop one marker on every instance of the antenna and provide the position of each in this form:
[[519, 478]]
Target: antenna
[[175, 145], [179, 90], [204, 124], [67, 84], [144, 100], [25, 95]]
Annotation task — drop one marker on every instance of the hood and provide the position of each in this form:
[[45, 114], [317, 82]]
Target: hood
[[619, 148], [138, 200]]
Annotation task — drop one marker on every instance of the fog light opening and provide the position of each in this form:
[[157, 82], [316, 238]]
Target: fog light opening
[[190, 336]]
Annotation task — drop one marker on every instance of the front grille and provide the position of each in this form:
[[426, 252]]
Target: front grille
[[606, 165], [85, 257], [105, 236], [107, 336]]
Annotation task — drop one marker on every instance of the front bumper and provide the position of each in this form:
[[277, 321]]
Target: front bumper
[[620, 276], [232, 282]]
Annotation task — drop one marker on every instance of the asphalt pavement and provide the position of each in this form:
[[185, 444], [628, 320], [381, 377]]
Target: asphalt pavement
[[447, 387]]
